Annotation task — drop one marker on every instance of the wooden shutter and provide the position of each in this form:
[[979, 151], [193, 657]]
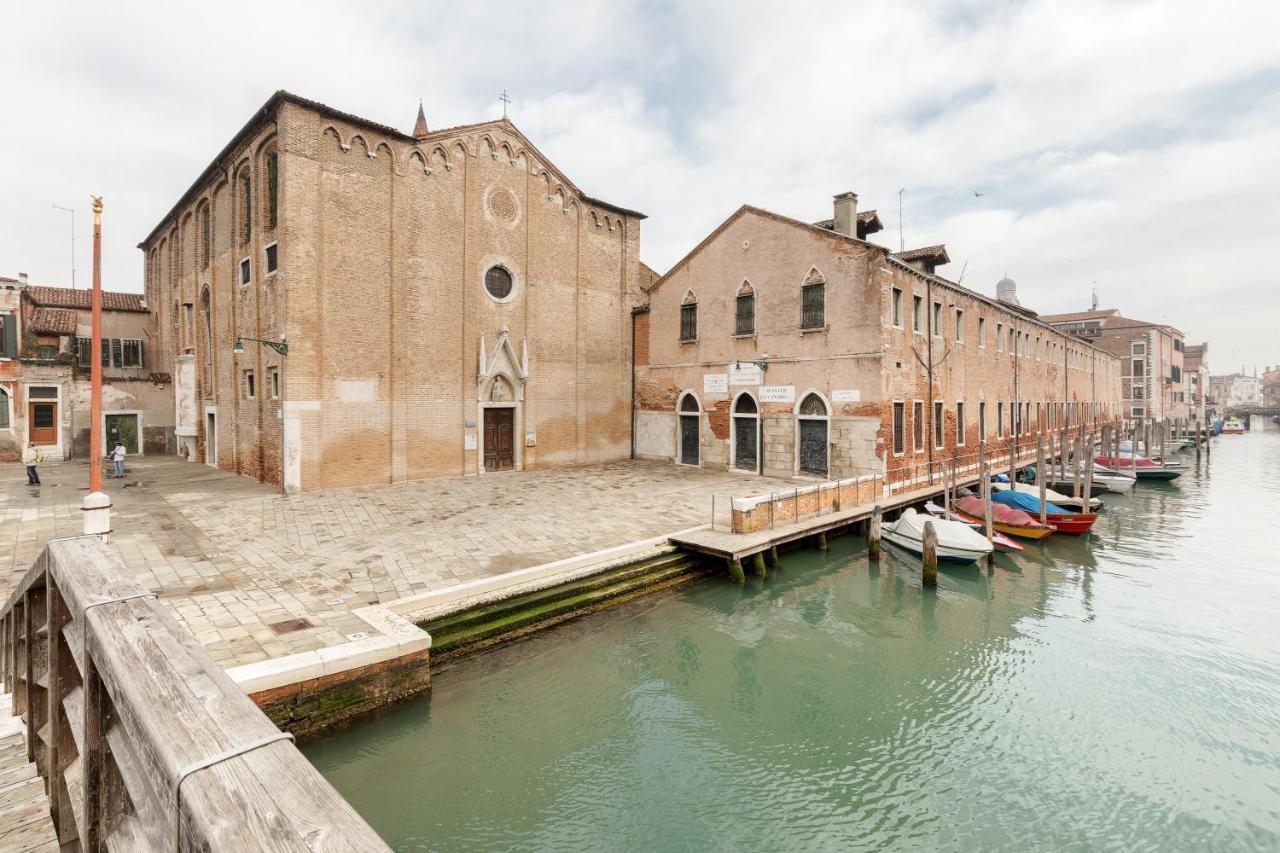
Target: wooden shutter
[[10, 343]]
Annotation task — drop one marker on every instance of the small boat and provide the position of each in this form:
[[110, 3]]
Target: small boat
[[1215, 428], [998, 539], [1061, 520], [1233, 426], [957, 542], [1006, 519], [1061, 479], [1050, 495], [1110, 479], [1141, 467]]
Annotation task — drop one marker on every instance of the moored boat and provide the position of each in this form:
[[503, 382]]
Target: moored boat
[[1050, 495], [957, 542], [1141, 467], [1060, 519], [1006, 519], [999, 540], [1233, 426]]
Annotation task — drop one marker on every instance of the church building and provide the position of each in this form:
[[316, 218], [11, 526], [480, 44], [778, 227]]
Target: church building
[[343, 303]]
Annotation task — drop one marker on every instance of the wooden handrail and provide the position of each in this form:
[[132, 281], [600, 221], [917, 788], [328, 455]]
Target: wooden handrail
[[122, 704]]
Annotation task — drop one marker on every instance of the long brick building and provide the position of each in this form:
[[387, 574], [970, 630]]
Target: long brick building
[[782, 347], [435, 302]]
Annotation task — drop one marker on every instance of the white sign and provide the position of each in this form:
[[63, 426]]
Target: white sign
[[777, 393], [715, 383], [469, 441], [745, 374], [846, 395]]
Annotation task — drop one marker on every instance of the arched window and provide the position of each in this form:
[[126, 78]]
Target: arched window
[[246, 206], [746, 433], [689, 317], [205, 237], [4, 409], [271, 165], [811, 418], [745, 321], [206, 341], [690, 430], [498, 282], [813, 301]]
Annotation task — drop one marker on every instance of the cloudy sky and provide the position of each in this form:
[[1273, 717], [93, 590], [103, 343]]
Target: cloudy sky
[[1131, 144]]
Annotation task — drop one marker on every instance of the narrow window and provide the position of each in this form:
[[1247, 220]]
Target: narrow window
[[959, 326], [206, 234], [917, 314], [982, 332], [273, 181], [982, 420], [813, 298], [937, 423], [8, 335], [999, 420], [84, 352], [959, 424], [131, 352], [899, 410], [917, 425], [246, 272], [937, 319], [4, 409], [745, 319], [689, 321], [117, 352], [250, 392], [897, 307], [246, 217], [275, 383], [999, 337], [270, 253]]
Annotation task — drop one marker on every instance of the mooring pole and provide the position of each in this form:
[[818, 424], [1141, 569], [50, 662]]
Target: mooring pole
[[1076, 444], [929, 553], [1199, 427], [873, 534], [773, 556], [735, 570], [757, 563], [822, 541], [1088, 480], [1164, 438], [1040, 477], [985, 493]]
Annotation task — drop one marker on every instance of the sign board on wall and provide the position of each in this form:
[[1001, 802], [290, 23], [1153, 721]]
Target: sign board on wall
[[777, 393], [745, 374], [846, 395], [715, 383]]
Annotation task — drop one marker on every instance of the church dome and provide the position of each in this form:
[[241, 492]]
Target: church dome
[[1007, 290]]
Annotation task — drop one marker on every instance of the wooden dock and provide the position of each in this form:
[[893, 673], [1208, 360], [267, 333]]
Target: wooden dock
[[25, 821]]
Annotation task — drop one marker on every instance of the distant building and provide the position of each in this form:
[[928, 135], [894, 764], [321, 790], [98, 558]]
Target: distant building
[[783, 347], [1195, 376], [450, 301], [1236, 389], [1271, 387], [1151, 357], [11, 419]]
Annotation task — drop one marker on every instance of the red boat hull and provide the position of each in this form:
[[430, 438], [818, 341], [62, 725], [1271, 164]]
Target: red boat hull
[[1074, 524]]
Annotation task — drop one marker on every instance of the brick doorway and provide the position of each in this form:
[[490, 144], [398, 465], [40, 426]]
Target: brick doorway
[[499, 439]]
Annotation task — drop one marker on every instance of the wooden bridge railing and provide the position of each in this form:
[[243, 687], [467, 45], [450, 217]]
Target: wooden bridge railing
[[144, 743]]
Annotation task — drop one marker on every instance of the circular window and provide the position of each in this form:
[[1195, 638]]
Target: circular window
[[497, 281]]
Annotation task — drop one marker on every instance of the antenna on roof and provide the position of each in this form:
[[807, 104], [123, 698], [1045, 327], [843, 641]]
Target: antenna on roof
[[964, 267], [902, 246]]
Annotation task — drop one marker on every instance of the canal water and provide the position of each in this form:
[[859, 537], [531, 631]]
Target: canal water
[[1118, 692]]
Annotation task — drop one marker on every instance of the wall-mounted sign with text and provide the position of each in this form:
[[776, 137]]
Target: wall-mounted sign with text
[[846, 395], [777, 393], [715, 383], [745, 374]]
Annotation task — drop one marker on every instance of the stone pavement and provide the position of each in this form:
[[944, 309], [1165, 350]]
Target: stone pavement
[[237, 561]]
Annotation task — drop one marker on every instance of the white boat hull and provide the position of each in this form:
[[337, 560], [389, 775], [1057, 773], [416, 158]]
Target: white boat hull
[[957, 542]]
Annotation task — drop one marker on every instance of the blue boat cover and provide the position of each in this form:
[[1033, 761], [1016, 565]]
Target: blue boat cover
[[1027, 503]]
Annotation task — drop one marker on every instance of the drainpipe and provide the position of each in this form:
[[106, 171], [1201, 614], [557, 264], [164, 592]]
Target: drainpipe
[[633, 384]]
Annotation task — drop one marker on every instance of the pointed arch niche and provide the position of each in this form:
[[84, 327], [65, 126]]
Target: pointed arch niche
[[500, 382]]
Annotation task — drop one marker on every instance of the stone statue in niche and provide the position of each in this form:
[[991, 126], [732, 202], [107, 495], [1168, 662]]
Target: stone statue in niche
[[500, 391]]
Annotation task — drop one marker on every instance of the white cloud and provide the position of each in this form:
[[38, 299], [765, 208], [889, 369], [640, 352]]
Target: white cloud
[[1129, 143]]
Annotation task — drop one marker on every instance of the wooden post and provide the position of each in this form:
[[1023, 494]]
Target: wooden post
[[773, 556], [1199, 438], [873, 534], [1040, 477], [757, 563], [1164, 436], [1076, 444], [929, 576], [1088, 481], [1133, 450], [984, 490], [822, 541], [735, 570]]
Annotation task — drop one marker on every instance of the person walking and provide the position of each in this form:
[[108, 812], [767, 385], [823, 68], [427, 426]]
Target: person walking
[[117, 456], [31, 457]]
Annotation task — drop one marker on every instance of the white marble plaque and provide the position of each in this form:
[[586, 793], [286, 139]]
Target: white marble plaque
[[715, 383], [846, 395], [745, 374], [469, 442], [777, 393]]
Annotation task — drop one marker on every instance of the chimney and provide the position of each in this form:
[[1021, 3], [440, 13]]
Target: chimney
[[846, 214], [22, 279]]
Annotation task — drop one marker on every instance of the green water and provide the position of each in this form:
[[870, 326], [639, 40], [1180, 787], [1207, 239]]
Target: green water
[[1120, 692]]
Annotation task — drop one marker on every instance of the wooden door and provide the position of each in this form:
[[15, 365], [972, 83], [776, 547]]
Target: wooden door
[[745, 445], [42, 420], [499, 439], [689, 439], [813, 447]]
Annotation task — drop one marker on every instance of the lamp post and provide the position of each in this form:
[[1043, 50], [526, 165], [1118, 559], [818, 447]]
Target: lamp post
[[73, 242], [97, 506], [281, 347]]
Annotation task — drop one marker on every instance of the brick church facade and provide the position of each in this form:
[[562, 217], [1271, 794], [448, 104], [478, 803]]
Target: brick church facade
[[427, 303]]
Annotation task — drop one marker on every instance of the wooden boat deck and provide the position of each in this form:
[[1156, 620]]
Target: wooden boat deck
[[25, 822]]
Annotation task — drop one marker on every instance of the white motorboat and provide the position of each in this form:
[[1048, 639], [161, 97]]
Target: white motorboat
[[1113, 480], [957, 542], [1082, 504]]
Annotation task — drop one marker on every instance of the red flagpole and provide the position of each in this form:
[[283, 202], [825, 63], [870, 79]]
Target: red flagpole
[[95, 361]]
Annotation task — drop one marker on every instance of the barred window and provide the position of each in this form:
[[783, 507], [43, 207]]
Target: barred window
[[899, 411], [689, 322], [937, 423], [960, 424], [272, 258], [982, 421], [745, 320], [130, 352], [498, 282], [917, 425], [813, 314]]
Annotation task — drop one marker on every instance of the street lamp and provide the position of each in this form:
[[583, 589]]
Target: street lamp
[[73, 242], [279, 346]]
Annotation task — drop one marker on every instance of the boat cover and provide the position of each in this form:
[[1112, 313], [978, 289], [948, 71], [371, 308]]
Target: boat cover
[[1000, 513], [951, 534], [1028, 503]]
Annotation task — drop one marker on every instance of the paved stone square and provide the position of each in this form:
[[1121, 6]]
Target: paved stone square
[[232, 557]]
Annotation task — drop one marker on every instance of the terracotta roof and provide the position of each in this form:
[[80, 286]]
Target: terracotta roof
[[1080, 315], [65, 297], [52, 321], [937, 254], [865, 217]]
